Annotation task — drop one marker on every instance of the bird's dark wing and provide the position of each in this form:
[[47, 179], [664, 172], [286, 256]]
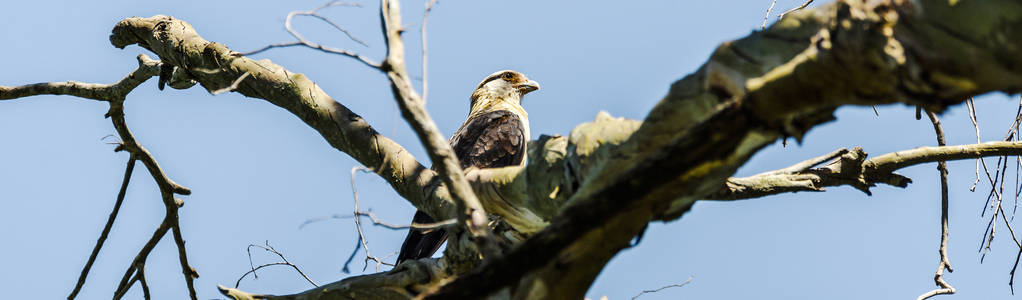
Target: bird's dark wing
[[418, 244], [492, 140]]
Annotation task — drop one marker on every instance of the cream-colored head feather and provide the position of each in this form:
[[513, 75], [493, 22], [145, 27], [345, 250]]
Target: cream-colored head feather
[[502, 90]]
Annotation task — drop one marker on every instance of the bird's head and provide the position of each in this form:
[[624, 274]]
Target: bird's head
[[502, 86]]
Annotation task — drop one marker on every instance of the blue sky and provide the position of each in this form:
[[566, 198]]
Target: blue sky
[[257, 172]]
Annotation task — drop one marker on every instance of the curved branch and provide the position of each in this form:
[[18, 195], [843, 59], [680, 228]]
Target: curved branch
[[215, 67], [147, 68]]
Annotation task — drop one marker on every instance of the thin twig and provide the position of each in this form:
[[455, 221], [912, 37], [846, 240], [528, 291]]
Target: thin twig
[[1014, 128], [233, 86], [1018, 159], [767, 16], [997, 192], [425, 59], [800, 7], [106, 229], [182, 255], [301, 41], [1011, 276], [975, 124], [313, 13], [358, 245], [808, 164], [1010, 229], [426, 227], [944, 288], [372, 217], [284, 261], [140, 258], [664, 287], [358, 225]]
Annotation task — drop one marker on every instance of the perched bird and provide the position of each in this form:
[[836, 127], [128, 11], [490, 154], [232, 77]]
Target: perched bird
[[494, 136]]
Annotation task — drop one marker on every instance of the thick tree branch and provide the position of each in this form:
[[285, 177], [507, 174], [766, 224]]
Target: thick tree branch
[[846, 53], [214, 66]]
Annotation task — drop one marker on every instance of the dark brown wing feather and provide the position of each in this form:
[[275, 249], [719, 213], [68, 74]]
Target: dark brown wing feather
[[493, 140]]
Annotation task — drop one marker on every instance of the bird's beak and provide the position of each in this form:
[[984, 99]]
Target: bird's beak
[[528, 86]]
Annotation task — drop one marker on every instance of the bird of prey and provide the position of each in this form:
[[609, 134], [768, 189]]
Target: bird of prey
[[494, 136]]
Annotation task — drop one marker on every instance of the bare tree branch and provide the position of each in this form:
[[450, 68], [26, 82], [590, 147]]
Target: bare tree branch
[[372, 217], [304, 42], [147, 68], [944, 288], [767, 15], [106, 228], [233, 86], [358, 226], [142, 281], [115, 94], [686, 282], [425, 58], [800, 7], [283, 259], [975, 124], [853, 169]]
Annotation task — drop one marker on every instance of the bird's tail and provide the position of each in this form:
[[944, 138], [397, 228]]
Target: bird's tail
[[419, 244]]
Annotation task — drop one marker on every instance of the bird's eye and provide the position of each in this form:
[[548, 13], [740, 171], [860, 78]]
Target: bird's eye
[[508, 76]]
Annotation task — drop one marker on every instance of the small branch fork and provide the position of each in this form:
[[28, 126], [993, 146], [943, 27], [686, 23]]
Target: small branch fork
[[284, 262], [361, 242], [361, 235], [800, 7], [781, 16], [114, 94], [301, 41], [168, 188]]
